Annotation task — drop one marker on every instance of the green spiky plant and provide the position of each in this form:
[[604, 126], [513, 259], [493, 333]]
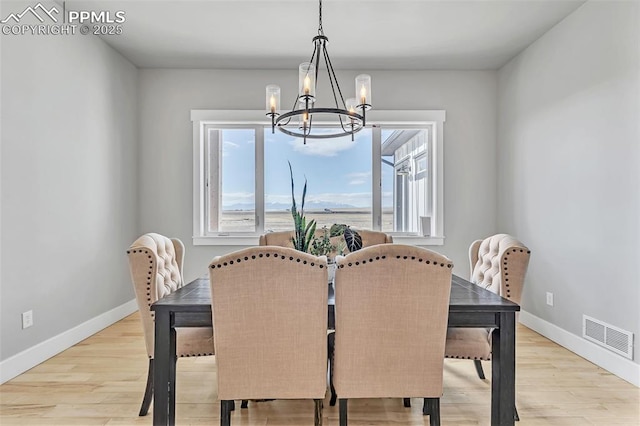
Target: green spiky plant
[[303, 231]]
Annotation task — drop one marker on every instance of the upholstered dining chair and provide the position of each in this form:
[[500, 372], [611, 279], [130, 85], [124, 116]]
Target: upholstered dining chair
[[392, 307], [155, 262], [499, 264], [269, 307], [283, 238]]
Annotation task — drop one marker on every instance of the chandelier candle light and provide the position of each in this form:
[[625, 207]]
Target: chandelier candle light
[[350, 114]]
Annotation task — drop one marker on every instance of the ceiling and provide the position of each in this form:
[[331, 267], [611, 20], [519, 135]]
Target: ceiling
[[371, 34]]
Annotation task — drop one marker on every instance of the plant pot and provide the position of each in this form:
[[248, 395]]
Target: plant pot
[[331, 269]]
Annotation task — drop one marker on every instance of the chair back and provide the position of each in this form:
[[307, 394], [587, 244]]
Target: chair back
[[155, 263], [270, 323], [280, 238], [283, 238], [372, 238], [392, 307], [499, 264]]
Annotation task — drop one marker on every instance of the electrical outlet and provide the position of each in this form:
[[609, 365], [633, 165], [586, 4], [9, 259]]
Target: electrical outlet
[[549, 298], [27, 319]]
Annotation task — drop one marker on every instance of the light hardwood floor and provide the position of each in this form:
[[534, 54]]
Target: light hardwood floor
[[100, 381]]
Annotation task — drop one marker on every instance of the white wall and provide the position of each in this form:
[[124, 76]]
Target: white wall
[[569, 167], [69, 194], [167, 96]]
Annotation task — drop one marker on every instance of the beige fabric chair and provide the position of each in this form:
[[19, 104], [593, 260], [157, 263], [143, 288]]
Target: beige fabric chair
[[369, 238], [499, 264], [155, 263], [283, 238], [270, 322], [392, 308]]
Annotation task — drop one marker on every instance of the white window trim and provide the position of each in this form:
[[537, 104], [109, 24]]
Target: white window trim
[[375, 118]]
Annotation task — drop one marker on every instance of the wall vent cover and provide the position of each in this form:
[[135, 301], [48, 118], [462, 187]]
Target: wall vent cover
[[613, 338]]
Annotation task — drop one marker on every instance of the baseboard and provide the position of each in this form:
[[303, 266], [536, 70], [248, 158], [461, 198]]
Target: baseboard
[[29, 358], [614, 363]]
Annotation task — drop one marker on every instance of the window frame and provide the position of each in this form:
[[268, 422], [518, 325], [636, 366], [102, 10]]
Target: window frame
[[202, 120]]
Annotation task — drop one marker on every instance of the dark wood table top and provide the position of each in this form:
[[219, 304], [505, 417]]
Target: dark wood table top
[[465, 297]]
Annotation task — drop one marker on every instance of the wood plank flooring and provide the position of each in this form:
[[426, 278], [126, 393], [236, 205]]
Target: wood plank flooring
[[100, 381]]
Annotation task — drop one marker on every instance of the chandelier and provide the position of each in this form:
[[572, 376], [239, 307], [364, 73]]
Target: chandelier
[[350, 114]]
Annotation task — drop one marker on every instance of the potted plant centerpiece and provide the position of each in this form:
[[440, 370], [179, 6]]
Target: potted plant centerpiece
[[323, 246], [306, 240]]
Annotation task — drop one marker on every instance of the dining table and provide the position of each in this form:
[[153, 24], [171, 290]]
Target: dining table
[[469, 306]]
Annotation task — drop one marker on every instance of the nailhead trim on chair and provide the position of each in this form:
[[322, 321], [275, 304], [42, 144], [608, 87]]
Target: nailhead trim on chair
[[506, 280], [467, 357], [148, 277], [190, 355], [506, 274], [276, 256], [442, 265]]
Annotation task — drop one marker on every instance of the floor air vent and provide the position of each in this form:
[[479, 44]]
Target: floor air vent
[[613, 338]]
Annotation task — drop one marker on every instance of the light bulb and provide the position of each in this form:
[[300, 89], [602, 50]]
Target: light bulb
[[307, 85]]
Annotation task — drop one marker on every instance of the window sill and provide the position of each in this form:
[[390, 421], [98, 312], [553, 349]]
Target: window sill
[[227, 240], [253, 240], [417, 240]]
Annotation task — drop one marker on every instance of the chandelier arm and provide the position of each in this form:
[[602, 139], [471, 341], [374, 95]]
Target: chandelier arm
[[284, 124], [313, 54], [342, 124], [317, 50], [352, 131], [331, 80], [332, 76]]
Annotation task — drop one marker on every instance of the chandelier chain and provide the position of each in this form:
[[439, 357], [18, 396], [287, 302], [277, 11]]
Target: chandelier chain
[[320, 30]]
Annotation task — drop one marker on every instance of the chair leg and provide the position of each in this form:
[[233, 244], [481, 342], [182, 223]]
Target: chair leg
[[431, 408], [479, 370], [317, 416], [343, 412], [225, 412], [516, 417], [426, 407], [148, 392], [331, 345], [407, 402], [434, 412], [244, 403]]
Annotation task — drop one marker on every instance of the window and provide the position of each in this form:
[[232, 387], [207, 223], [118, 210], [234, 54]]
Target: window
[[389, 177], [338, 173]]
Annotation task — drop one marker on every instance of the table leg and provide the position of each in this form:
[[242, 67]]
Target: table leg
[[172, 378], [164, 370], [503, 370], [331, 345]]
